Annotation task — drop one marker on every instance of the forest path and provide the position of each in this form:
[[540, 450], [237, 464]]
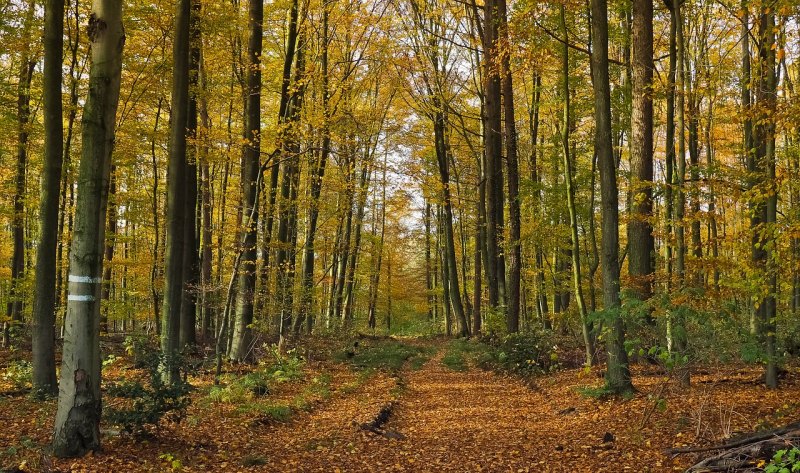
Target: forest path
[[447, 420], [472, 420]]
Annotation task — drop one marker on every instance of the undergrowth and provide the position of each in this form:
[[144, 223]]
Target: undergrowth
[[388, 355]]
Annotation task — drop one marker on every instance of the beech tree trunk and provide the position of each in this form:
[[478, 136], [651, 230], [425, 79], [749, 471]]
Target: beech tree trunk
[[242, 330], [77, 424], [618, 377], [641, 244], [176, 197], [44, 304]]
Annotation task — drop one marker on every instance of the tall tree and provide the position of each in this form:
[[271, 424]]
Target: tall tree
[[77, 424], [191, 250], [242, 331], [176, 195], [766, 204], [641, 243], [677, 326], [618, 376], [586, 328], [493, 151], [44, 304], [515, 246]]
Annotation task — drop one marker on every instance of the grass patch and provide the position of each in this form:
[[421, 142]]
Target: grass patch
[[386, 355], [254, 460], [600, 392], [461, 353]]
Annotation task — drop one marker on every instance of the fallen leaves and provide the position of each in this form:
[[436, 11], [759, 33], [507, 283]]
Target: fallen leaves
[[469, 420]]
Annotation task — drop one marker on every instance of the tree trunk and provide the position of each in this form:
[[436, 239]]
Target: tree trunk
[[154, 270], [111, 237], [450, 279], [44, 304], [515, 245], [641, 244], [618, 377], [493, 151], [317, 173], [27, 64], [766, 98], [678, 330], [176, 197], [191, 255], [77, 424], [586, 327], [242, 331]]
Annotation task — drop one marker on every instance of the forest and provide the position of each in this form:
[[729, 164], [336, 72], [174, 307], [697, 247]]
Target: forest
[[399, 235]]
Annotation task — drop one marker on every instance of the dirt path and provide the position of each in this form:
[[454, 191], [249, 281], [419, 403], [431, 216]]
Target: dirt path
[[454, 421], [459, 421]]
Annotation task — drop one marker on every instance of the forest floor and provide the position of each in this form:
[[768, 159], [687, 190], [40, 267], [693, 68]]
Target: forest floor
[[444, 414]]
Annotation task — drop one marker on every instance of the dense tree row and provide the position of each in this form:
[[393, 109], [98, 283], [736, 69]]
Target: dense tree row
[[229, 174]]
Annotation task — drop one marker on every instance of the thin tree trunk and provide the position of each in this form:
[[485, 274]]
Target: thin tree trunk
[[176, 197], [44, 304], [493, 150], [191, 254], [766, 98], [154, 270], [586, 327], [515, 245], [111, 237], [242, 333], [27, 64], [316, 175], [678, 328], [618, 376], [641, 244]]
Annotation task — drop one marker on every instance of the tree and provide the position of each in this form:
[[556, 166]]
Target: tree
[[25, 76], [493, 150], [77, 424], [44, 306], [586, 326], [641, 243], [176, 196], [240, 347], [618, 376]]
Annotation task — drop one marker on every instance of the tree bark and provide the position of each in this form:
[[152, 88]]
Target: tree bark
[[176, 197], [242, 331], [515, 245], [618, 377], [77, 424], [191, 253], [641, 244], [586, 327], [44, 304]]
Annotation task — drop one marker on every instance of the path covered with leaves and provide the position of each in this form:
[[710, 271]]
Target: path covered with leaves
[[445, 415]]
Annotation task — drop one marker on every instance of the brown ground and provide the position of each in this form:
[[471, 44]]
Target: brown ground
[[452, 421]]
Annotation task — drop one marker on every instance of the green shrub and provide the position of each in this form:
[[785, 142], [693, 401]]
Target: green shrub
[[19, 374], [149, 401], [280, 367], [387, 355], [784, 461], [524, 354], [460, 353], [140, 348]]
